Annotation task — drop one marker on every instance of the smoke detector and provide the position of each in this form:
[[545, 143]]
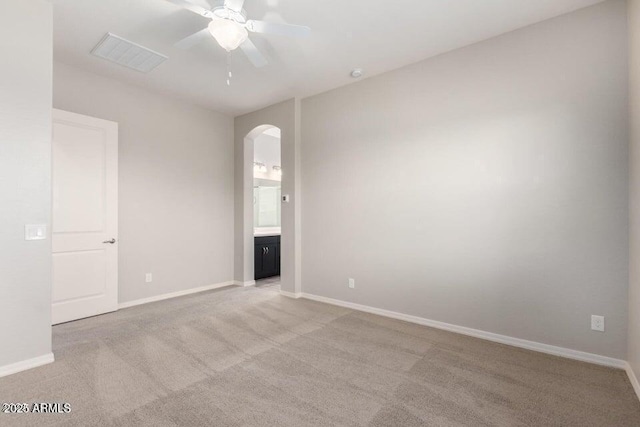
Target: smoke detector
[[357, 73]]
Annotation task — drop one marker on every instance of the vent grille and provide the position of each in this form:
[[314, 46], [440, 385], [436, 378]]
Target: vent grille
[[131, 55]]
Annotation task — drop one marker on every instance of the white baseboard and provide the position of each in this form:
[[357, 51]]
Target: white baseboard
[[26, 364], [490, 336], [633, 379], [294, 295], [175, 294], [245, 284]]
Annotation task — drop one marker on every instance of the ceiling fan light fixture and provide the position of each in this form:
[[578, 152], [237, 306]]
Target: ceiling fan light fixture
[[228, 33]]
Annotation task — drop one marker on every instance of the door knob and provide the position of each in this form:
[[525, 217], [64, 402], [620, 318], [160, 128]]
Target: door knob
[[111, 242]]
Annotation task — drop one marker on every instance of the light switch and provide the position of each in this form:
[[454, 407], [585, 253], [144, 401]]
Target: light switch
[[35, 232], [285, 198]]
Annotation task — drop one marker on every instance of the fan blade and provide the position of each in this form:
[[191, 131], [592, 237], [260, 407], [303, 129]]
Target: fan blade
[[280, 29], [193, 39], [234, 4], [192, 7], [254, 55]]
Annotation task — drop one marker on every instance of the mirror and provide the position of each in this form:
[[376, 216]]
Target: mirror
[[266, 203]]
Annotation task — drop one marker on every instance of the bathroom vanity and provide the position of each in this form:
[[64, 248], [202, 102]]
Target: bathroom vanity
[[266, 231], [267, 256]]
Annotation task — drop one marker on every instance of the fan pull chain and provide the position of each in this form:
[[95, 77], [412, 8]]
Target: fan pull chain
[[229, 75]]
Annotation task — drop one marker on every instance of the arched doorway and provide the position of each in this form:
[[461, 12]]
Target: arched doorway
[[284, 116], [267, 193], [250, 174]]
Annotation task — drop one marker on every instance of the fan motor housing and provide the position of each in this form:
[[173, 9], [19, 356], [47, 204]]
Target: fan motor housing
[[222, 12]]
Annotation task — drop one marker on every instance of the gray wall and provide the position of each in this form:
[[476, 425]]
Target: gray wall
[[286, 116], [175, 183], [634, 189], [267, 151], [25, 178], [486, 187]]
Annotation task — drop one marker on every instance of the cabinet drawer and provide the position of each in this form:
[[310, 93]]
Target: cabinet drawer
[[267, 240]]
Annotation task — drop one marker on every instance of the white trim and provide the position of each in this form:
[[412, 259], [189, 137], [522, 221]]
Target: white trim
[[26, 364], [174, 294], [294, 295], [490, 336], [244, 284], [633, 379]]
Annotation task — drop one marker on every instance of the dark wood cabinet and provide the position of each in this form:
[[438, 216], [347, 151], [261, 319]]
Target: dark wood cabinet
[[267, 257]]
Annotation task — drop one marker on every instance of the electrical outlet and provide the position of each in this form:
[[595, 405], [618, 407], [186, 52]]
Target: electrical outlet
[[148, 278], [352, 283], [597, 323]]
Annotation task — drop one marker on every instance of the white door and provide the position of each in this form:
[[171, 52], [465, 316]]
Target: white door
[[85, 216]]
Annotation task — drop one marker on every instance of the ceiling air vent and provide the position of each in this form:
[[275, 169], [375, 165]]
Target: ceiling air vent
[[131, 55]]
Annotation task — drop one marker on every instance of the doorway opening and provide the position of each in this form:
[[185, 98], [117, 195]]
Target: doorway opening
[[267, 217]]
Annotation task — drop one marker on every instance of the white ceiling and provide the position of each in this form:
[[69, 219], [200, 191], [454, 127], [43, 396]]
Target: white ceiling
[[372, 34]]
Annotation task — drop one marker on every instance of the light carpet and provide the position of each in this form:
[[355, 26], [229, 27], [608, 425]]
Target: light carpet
[[251, 357]]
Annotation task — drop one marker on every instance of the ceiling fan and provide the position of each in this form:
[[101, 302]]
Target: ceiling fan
[[230, 27]]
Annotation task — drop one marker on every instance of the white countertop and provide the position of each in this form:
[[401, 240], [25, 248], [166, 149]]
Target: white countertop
[[266, 231]]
